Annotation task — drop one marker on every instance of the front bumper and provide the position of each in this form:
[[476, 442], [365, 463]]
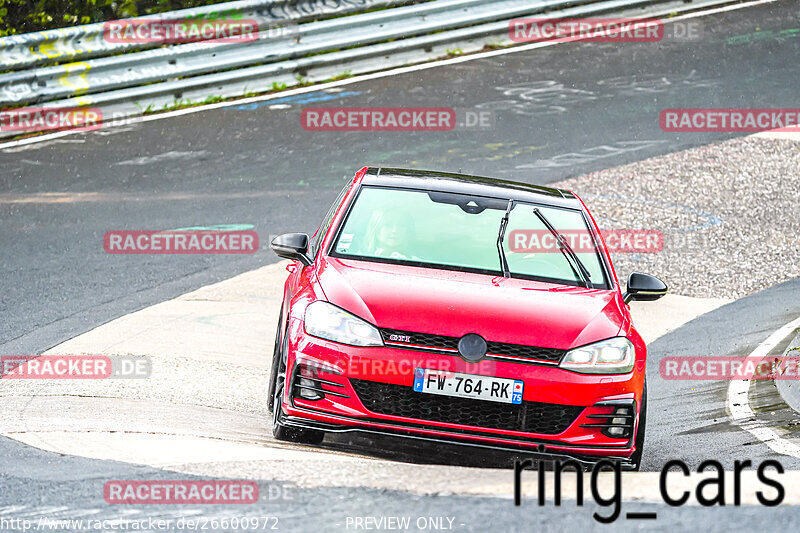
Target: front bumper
[[591, 398]]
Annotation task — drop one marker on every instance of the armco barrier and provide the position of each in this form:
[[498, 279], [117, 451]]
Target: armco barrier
[[182, 61], [84, 42], [136, 81]]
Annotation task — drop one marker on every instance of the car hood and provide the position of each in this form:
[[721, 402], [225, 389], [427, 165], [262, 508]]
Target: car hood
[[451, 303]]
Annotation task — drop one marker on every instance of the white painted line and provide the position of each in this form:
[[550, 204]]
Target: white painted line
[[739, 403], [715, 10], [364, 77]]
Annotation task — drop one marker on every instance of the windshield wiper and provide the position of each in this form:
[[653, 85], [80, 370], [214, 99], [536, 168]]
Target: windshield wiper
[[500, 236], [581, 271]]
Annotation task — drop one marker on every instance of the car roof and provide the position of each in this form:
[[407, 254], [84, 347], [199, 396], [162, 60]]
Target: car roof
[[465, 184]]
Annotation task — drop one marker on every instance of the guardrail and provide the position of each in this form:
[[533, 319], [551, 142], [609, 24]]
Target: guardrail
[[87, 41], [294, 49], [185, 60]]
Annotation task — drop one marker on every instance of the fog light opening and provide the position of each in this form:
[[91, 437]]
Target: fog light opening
[[621, 423], [617, 424], [307, 387]]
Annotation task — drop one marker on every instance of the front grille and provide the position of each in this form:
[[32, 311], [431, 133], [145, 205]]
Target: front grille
[[399, 400], [530, 352], [421, 339], [427, 340]]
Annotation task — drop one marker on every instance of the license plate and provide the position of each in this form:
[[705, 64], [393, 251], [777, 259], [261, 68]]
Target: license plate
[[468, 385]]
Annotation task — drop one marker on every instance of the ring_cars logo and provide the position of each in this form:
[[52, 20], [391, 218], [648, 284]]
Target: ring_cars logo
[[400, 338]]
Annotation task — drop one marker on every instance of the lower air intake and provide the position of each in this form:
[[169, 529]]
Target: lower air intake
[[399, 400]]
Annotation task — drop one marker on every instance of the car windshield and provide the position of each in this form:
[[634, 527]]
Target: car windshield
[[457, 231]]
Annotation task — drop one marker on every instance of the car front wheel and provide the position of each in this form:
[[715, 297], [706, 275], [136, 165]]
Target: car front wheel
[[636, 458], [276, 388]]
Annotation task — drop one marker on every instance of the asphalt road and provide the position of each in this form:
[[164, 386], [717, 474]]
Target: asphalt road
[[75, 494], [687, 419], [558, 112], [570, 109], [39, 485], [687, 422]]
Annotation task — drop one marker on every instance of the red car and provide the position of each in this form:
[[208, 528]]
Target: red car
[[457, 308]]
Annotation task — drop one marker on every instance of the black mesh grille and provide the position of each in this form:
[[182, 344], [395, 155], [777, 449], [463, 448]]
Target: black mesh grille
[[498, 348], [532, 352], [424, 339], [398, 400]]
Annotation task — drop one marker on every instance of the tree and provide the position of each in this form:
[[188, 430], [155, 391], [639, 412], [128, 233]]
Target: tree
[[25, 16]]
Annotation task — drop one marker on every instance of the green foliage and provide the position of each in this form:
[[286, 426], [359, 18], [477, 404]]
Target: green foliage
[[344, 75], [25, 16]]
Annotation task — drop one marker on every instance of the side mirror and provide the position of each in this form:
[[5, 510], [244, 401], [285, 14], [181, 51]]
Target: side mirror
[[292, 246], [644, 287]]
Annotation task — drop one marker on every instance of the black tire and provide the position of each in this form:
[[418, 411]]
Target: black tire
[[636, 458], [293, 434], [276, 359], [277, 382]]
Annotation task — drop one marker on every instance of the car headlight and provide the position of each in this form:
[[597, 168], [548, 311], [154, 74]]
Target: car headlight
[[611, 356], [327, 321]]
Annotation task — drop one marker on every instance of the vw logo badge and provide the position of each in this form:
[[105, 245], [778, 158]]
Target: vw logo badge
[[472, 347]]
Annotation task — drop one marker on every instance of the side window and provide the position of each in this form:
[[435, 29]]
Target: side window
[[313, 247]]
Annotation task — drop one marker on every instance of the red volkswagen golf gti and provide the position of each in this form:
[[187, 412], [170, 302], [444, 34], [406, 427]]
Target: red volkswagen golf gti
[[457, 308]]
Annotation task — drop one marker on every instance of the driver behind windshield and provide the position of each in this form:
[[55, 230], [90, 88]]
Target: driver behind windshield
[[390, 234]]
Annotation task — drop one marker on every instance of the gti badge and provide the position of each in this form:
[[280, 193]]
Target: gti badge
[[400, 338]]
